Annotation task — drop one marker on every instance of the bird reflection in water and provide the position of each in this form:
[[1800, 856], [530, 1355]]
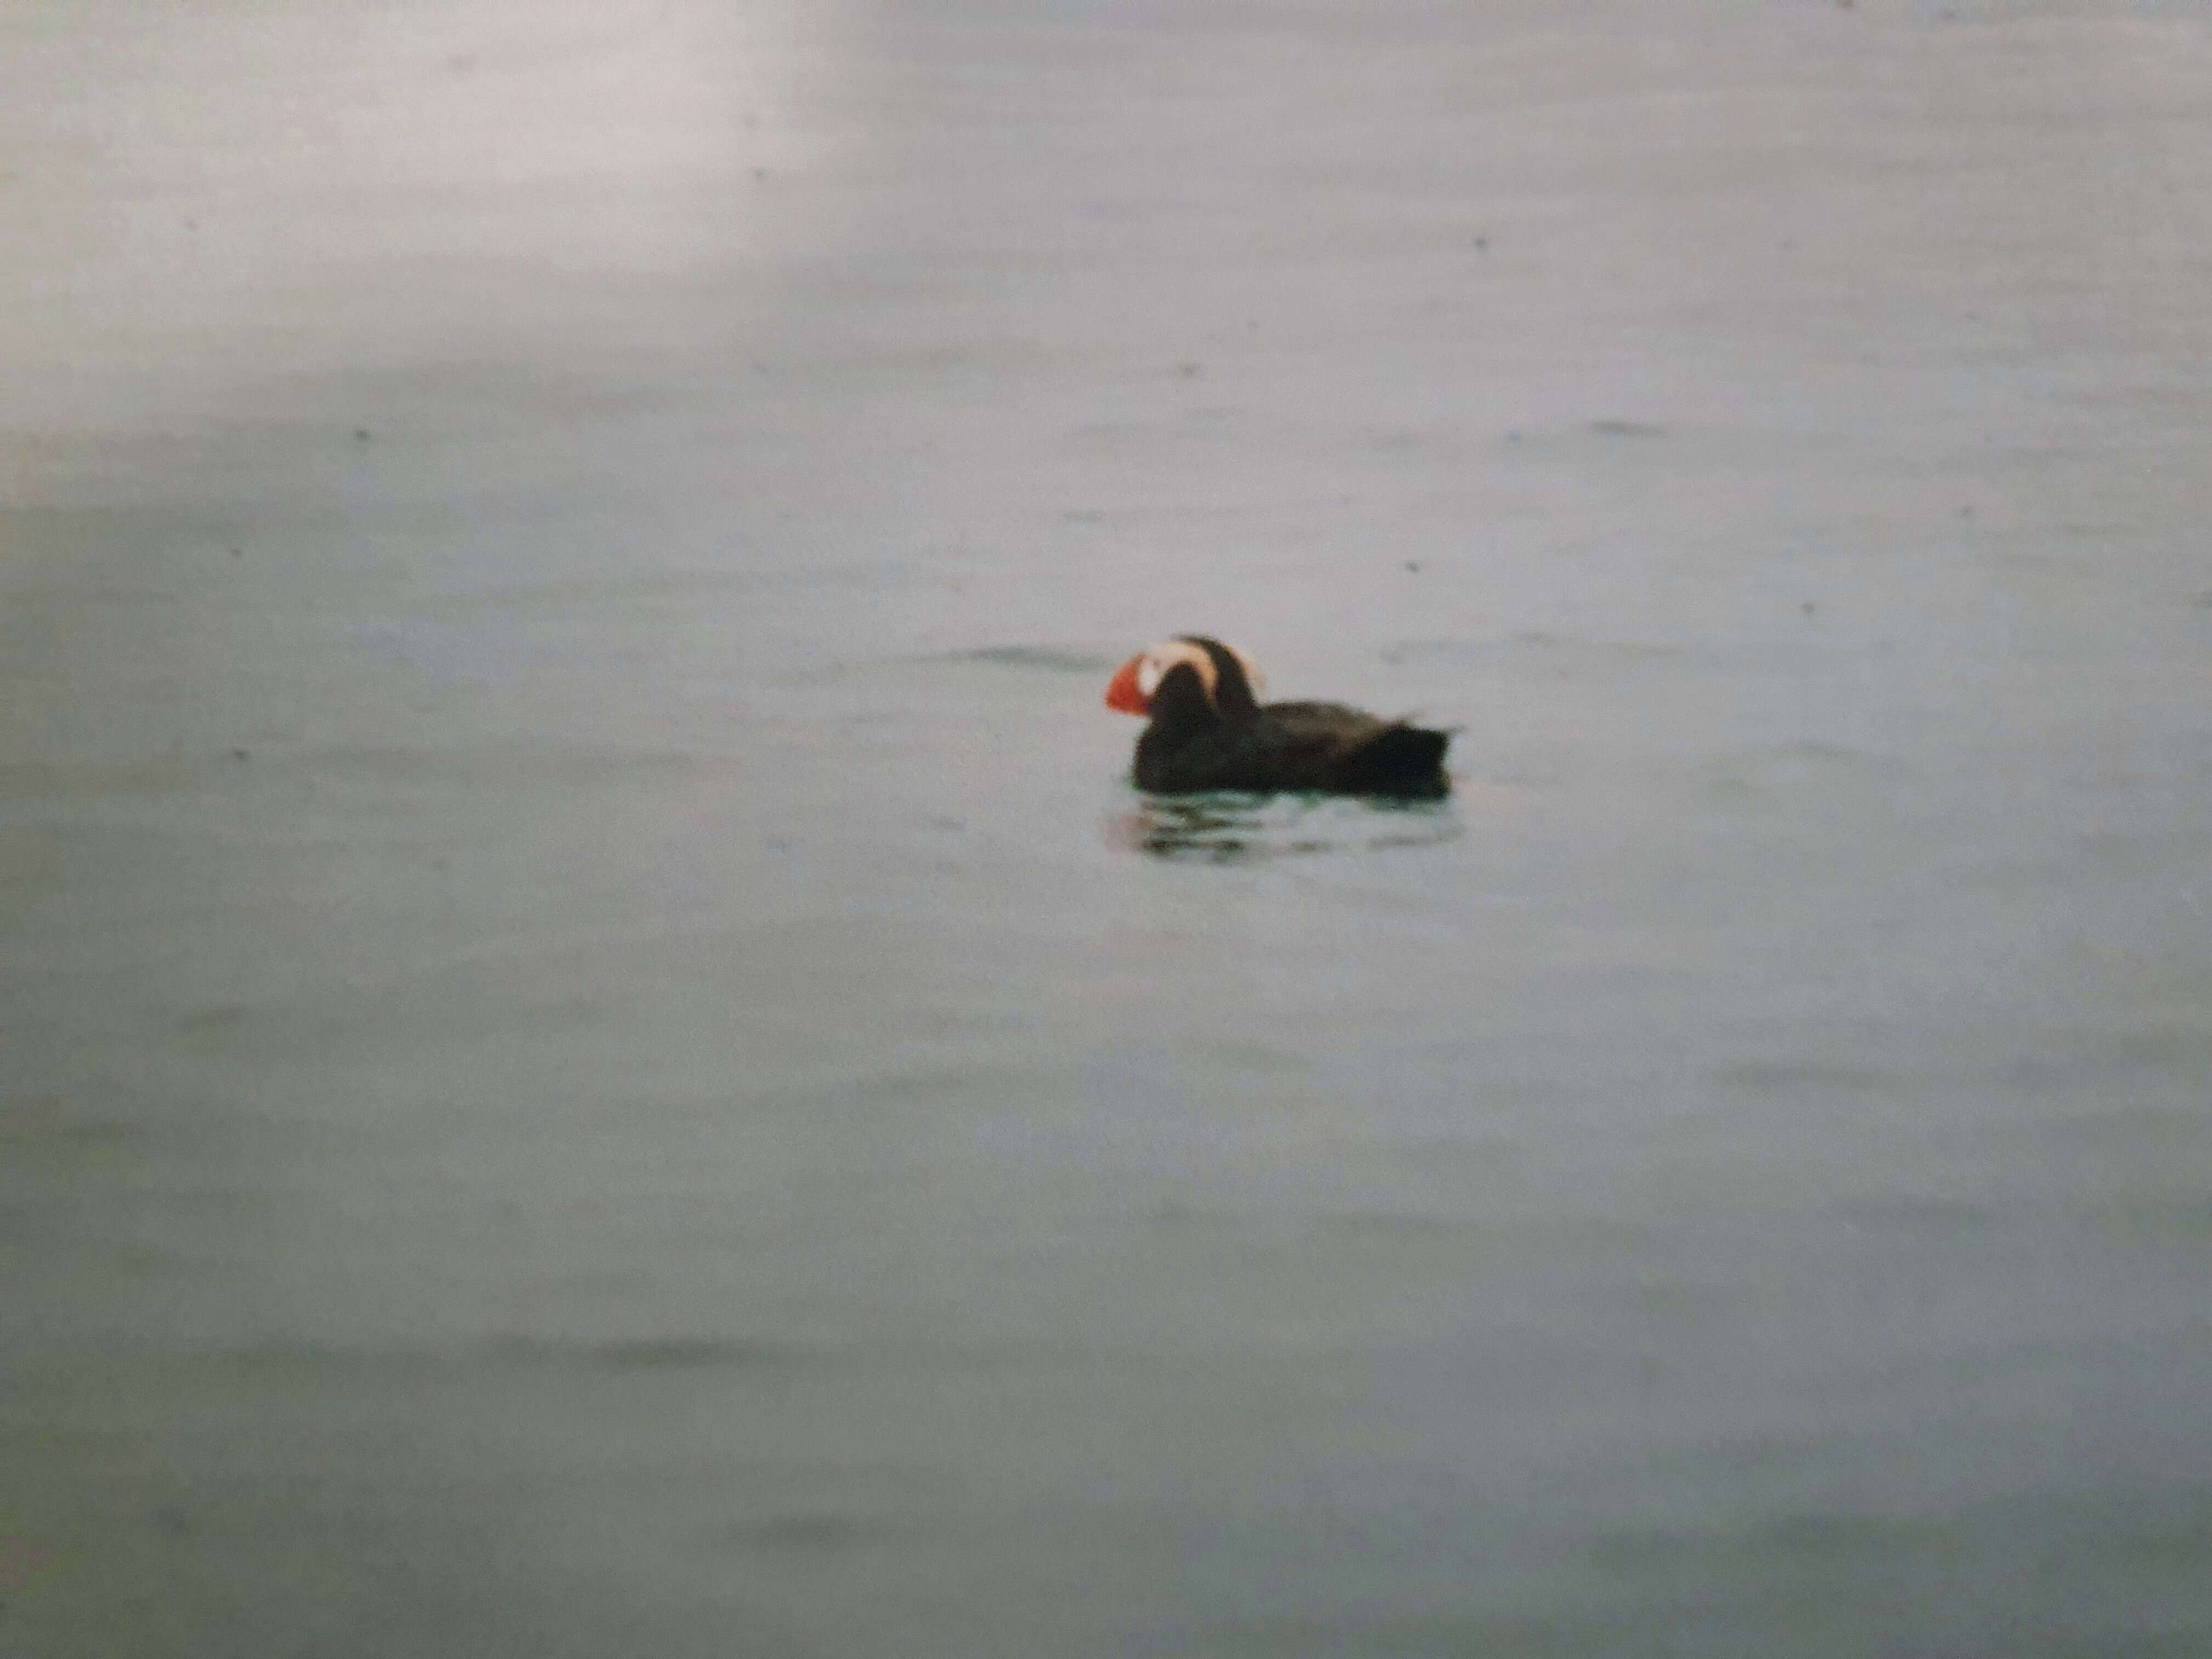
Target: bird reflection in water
[[1229, 828]]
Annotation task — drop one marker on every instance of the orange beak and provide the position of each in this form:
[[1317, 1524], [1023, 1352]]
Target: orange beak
[[1121, 691]]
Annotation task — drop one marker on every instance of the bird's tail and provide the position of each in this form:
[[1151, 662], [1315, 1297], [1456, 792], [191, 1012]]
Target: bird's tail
[[1399, 760]]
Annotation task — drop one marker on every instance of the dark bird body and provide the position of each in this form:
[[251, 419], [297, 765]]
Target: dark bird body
[[1207, 730]]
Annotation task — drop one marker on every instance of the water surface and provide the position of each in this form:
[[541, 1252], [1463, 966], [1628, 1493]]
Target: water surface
[[599, 1057]]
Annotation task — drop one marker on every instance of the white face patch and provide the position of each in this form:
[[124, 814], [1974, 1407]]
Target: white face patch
[[1168, 653]]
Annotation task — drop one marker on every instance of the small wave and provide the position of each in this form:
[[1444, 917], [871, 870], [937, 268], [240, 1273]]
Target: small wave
[[1052, 659], [1552, 648], [1231, 827]]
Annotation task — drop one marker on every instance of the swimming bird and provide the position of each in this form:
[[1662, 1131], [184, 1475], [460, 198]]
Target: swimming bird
[[1208, 730]]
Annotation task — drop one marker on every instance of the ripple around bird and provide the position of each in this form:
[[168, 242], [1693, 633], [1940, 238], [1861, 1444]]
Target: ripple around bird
[[1231, 827]]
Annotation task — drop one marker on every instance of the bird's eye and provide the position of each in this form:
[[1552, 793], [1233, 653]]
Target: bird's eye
[[1148, 677]]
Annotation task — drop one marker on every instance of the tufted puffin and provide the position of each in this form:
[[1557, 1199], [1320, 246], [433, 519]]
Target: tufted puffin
[[1208, 730]]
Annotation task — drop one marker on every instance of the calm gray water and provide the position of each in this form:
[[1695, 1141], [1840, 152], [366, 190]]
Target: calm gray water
[[598, 1059]]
